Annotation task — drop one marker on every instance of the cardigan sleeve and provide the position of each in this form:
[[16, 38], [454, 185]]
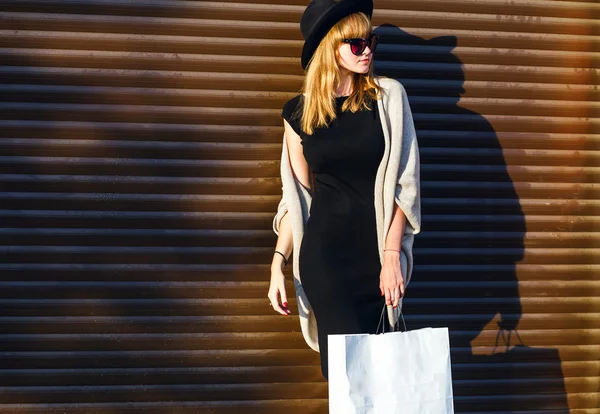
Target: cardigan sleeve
[[281, 211], [408, 189], [282, 208]]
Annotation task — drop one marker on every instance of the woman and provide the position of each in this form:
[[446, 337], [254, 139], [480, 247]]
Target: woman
[[350, 173]]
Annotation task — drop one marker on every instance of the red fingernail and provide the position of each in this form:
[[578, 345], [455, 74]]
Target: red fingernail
[[285, 304]]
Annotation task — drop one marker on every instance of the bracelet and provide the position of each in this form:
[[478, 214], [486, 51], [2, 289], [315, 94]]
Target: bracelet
[[284, 259], [391, 250]]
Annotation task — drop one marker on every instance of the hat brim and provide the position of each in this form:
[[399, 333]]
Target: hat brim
[[322, 26]]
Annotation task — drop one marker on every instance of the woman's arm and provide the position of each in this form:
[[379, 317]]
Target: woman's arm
[[277, 293], [391, 281]]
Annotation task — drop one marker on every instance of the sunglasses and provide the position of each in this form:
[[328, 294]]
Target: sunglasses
[[358, 45]]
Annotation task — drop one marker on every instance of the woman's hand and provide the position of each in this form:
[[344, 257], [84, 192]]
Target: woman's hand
[[391, 281], [277, 294]]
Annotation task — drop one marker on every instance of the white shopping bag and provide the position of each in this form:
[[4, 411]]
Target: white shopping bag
[[392, 373]]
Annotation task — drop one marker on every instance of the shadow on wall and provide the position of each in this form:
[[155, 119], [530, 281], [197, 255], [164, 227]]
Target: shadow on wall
[[465, 273]]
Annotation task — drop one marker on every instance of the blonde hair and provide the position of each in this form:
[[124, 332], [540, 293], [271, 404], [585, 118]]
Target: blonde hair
[[323, 75]]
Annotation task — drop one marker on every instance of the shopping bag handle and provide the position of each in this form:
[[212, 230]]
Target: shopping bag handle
[[506, 340], [382, 323]]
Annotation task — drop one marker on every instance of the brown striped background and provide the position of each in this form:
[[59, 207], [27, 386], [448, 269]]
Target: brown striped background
[[139, 174]]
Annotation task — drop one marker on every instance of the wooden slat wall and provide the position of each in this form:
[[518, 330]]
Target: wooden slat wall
[[139, 149]]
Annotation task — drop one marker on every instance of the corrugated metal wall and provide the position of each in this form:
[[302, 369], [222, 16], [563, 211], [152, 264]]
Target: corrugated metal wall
[[139, 176]]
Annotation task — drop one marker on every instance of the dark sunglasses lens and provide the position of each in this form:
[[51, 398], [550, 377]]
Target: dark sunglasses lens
[[357, 46]]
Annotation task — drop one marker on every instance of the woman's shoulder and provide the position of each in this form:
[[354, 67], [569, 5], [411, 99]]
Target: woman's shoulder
[[291, 106], [292, 112]]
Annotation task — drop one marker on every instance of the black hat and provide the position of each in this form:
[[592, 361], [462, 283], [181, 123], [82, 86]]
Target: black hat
[[321, 15]]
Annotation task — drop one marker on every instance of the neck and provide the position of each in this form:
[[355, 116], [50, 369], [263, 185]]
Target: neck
[[345, 85]]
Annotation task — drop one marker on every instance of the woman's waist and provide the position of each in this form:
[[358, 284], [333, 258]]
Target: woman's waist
[[342, 205], [344, 197], [335, 214]]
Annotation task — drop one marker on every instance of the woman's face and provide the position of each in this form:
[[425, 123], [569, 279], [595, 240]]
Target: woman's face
[[353, 63]]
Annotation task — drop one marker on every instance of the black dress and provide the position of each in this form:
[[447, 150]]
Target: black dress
[[338, 259]]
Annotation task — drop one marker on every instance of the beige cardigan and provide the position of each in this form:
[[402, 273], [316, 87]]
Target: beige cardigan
[[397, 181]]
